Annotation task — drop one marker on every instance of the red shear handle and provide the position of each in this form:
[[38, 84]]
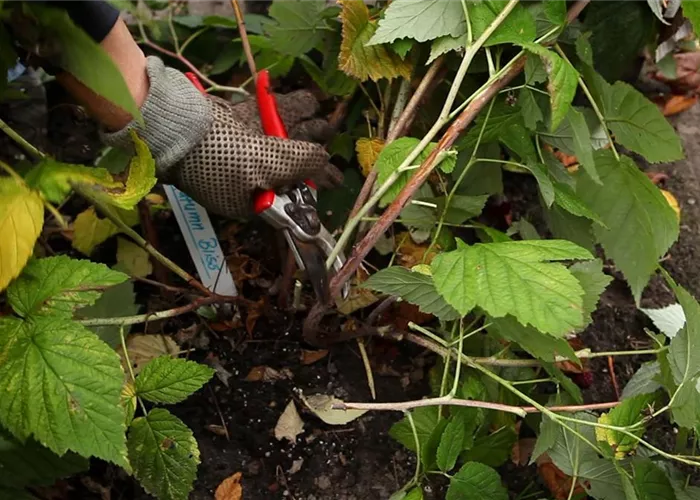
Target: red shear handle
[[195, 81], [269, 116]]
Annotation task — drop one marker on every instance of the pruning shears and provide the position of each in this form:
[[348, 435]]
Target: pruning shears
[[292, 209]]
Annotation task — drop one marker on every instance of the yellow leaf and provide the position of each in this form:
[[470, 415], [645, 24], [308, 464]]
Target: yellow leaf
[[367, 153], [142, 176], [359, 60], [89, 230], [133, 259], [21, 220], [673, 202], [230, 488]]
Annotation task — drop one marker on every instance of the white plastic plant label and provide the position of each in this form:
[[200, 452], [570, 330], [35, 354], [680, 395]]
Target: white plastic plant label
[[202, 242]]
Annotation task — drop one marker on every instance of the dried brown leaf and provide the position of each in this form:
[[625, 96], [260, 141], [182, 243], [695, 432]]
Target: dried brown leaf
[[289, 425], [230, 488], [310, 357], [267, 374], [143, 348], [368, 150]]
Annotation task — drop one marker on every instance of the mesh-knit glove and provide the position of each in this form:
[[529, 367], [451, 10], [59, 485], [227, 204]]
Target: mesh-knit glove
[[216, 152]]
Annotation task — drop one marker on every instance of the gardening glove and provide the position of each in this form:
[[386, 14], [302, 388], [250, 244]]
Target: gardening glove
[[216, 151]]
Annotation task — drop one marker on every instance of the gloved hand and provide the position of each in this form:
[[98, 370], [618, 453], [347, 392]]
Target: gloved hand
[[216, 151]]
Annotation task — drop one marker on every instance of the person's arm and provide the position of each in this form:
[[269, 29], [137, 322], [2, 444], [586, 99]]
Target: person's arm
[[130, 61]]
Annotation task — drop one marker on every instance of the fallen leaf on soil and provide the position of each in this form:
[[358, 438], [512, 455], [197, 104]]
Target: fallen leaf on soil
[[678, 103], [254, 311], [522, 451], [143, 348], [219, 430], [267, 374], [243, 268], [402, 313], [321, 405], [359, 297], [187, 334], [133, 259], [673, 202], [296, 466], [222, 373], [289, 425], [557, 482], [656, 177], [310, 357], [411, 254], [230, 488]]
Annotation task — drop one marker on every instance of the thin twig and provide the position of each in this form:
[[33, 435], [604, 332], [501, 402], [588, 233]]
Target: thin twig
[[400, 104], [151, 235], [21, 141], [244, 39], [368, 367], [169, 313], [521, 411]]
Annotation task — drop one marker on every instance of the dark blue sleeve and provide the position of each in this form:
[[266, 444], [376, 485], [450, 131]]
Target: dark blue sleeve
[[95, 17]]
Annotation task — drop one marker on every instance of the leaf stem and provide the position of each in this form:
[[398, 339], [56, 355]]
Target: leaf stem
[[143, 318], [21, 141], [122, 338]]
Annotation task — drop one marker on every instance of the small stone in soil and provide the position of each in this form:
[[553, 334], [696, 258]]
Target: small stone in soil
[[323, 482]]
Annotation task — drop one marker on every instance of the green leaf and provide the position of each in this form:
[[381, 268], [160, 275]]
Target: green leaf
[[669, 320], [461, 208], [501, 117], [414, 494], [525, 229], [564, 381], [547, 438], [636, 122], [691, 11], [538, 344], [21, 221], [644, 381], [629, 412], [581, 138], [562, 82], [133, 259], [30, 464], [476, 481], [59, 285], [164, 454], [684, 350], [300, 25], [641, 226], [566, 138], [494, 449], [445, 44], [532, 113], [514, 278], [84, 58], [330, 79], [402, 47], [584, 51], [570, 453], [53, 178], [414, 287], [555, 11], [420, 20], [566, 198], [428, 451], [391, 158], [518, 27], [65, 385], [566, 226], [517, 138], [363, 61], [593, 281], [450, 444], [425, 419], [651, 482], [171, 380]]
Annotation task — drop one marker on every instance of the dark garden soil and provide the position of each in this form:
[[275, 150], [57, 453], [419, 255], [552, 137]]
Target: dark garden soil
[[358, 460]]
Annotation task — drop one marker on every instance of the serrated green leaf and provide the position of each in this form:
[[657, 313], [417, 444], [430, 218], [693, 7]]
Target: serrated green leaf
[[651, 482], [644, 381], [636, 122], [476, 481], [684, 350], [581, 138], [413, 287], [164, 454], [420, 20], [546, 439], [59, 285], [517, 138], [366, 61], [402, 47], [30, 464], [461, 208], [445, 44], [21, 220], [501, 117], [566, 198], [584, 51], [425, 419], [641, 226], [606, 480], [300, 25], [450, 444], [669, 320], [567, 226], [53, 178], [629, 412], [493, 449], [414, 494], [65, 385], [525, 229], [562, 82], [133, 259], [514, 278], [329, 78], [538, 344], [119, 300], [518, 27], [391, 158], [593, 281], [563, 137], [691, 11], [564, 382], [532, 113], [171, 380], [555, 11], [570, 453]]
